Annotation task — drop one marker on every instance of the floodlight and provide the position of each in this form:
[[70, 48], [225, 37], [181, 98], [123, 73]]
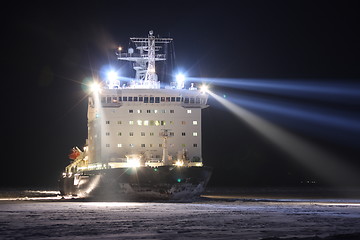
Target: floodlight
[[204, 88], [112, 75], [133, 162], [180, 80], [95, 87]]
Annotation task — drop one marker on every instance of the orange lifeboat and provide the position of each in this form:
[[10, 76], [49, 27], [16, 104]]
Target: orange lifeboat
[[74, 154]]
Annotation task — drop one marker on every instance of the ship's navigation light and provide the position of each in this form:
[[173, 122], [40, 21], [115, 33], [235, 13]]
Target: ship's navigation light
[[204, 88], [178, 180], [180, 81], [95, 87]]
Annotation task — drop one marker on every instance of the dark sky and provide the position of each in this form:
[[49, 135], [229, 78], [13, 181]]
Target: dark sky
[[49, 49]]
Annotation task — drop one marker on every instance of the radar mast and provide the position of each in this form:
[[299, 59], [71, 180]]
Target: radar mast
[[144, 61]]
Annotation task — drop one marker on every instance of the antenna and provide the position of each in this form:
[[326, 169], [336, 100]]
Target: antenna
[[144, 61]]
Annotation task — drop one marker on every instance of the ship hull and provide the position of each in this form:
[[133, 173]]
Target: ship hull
[[138, 184]]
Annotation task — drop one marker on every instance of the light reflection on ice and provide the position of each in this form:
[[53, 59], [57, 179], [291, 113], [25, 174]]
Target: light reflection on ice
[[340, 204], [113, 204], [43, 192], [30, 199], [14, 194]]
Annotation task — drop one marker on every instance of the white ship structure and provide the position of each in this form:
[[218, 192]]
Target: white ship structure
[[144, 141]]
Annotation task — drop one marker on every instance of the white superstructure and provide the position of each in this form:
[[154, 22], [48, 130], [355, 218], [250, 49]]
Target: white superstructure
[[141, 124]]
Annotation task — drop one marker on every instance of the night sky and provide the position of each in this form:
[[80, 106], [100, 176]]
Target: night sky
[[48, 50]]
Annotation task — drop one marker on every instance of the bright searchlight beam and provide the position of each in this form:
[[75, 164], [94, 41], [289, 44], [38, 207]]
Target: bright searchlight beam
[[331, 90], [324, 165]]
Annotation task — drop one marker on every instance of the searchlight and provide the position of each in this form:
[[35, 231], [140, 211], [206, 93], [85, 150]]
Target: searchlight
[[180, 81], [133, 160], [95, 87], [112, 79], [204, 88], [112, 75]]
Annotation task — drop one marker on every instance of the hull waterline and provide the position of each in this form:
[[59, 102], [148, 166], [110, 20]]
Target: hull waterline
[[142, 183]]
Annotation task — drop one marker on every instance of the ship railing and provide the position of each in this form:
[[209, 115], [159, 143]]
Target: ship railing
[[193, 105], [122, 164], [194, 102], [92, 166], [138, 56], [113, 104], [154, 162], [195, 164]]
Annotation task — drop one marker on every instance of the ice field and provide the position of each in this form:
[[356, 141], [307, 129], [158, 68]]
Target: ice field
[[213, 217]]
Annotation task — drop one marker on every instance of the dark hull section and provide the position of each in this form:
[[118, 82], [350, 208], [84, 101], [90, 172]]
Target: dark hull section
[[141, 184]]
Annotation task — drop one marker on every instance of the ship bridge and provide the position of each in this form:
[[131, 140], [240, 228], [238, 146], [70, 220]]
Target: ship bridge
[[130, 119]]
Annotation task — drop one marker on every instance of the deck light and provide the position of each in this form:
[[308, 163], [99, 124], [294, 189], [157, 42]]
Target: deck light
[[179, 163], [95, 87], [180, 81], [112, 75], [204, 88]]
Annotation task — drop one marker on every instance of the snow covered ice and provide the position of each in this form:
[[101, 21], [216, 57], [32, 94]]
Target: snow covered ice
[[210, 219]]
